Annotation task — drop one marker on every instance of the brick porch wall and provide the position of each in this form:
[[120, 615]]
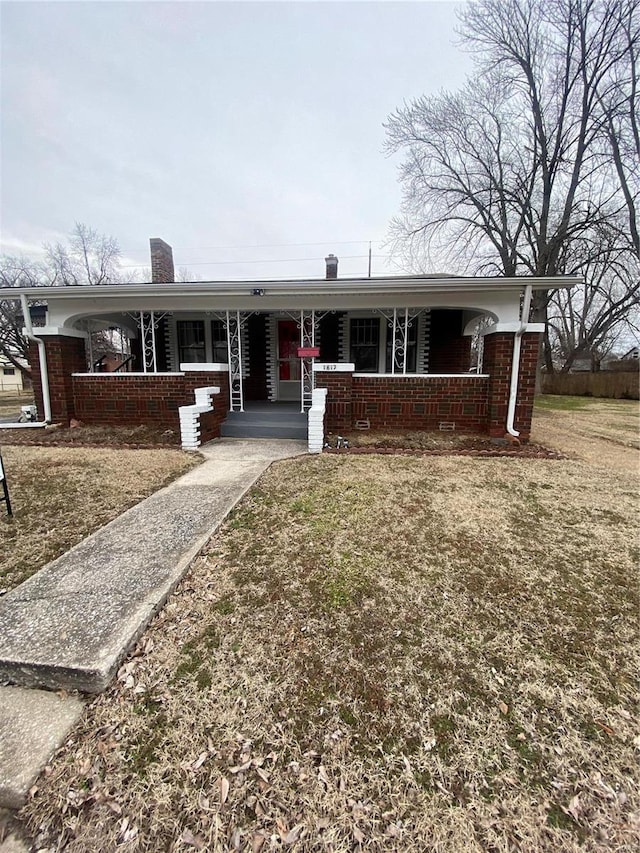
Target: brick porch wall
[[473, 403], [150, 399], [338, 414], [421, 402]]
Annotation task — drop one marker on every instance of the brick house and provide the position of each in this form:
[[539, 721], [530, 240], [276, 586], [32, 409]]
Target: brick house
[[253, 358]]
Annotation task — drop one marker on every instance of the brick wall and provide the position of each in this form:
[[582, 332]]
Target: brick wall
[[473, 403], [151, 399], [455, 357], [421, 402], [529, 357], [65, 356], [498, 354], [339, 387], [449, 349]]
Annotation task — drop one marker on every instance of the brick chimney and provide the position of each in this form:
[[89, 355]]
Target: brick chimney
[[332, 266], [162, 270]]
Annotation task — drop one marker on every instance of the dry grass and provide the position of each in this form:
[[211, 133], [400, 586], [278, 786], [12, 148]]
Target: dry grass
[[59, 495], [379, 653], [10, 403], [601, 432]]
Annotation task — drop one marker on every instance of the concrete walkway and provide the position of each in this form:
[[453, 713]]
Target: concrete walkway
[[69, 626]]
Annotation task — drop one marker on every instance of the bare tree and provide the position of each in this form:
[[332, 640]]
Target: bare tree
[[16, 272], [89, 258], [589, 321], [505, 175]]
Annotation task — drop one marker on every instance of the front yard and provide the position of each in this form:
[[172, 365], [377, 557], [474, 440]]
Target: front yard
[[59, 495], [381, 653]]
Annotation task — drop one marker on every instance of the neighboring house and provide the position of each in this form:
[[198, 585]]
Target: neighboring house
[[10, 377], [634, 352], [391, 352]]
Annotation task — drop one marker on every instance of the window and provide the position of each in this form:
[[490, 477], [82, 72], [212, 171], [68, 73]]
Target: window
[[9, 371], [191, 346], [412, 344], [365, 339], [220, 352]]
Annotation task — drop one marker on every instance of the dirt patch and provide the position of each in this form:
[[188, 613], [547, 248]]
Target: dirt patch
[[379, 653], [432, 443], [131, 437], [59, 495]]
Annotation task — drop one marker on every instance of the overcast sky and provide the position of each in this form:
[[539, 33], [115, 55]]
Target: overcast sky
[[214, 126]]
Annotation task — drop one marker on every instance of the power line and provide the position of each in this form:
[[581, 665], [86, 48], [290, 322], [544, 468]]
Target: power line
[[261, 246], [265, 261]]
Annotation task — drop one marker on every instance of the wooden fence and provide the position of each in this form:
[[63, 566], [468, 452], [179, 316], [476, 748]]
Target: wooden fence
[[603, 384]]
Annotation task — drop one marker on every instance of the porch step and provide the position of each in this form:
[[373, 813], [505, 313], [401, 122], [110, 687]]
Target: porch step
[[268, 421]]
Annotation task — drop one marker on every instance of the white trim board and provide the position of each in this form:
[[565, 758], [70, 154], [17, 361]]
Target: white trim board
[[421, 375]]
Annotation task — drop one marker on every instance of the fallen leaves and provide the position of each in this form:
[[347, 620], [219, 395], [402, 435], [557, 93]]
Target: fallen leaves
[[291, 746], [223, 784], [192, 840]]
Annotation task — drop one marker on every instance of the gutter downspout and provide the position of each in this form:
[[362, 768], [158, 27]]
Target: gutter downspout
[[42, 357], [515, 363]]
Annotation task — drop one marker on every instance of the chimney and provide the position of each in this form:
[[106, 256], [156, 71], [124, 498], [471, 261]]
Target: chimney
[[332, 266], [161, 261]]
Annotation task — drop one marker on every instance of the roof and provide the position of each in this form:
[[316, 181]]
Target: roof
[[497, 297], [296, 287]]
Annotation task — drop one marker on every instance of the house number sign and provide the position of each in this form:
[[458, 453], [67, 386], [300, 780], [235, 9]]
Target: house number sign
[[328, 366]]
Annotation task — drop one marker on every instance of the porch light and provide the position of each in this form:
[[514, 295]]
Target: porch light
[[257, 291]]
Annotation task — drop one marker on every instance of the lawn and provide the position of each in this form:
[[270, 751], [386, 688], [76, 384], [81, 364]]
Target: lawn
[[10, 403], [381, 653], [59, 495], [597, 431]]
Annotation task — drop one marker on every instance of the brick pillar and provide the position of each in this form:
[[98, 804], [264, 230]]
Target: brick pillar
[[161, 261], [498, 355], [339, 399], [529, 355], [65, 355]]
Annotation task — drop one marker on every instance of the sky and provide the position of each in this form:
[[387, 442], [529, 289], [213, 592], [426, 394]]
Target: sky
[[248, 135]]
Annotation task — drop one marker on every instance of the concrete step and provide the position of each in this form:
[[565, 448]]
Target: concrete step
[[266, 420], [263, 415], [263, 429]]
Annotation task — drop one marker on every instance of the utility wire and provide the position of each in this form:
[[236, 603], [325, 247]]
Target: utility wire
[[261, 246], [265, 261]]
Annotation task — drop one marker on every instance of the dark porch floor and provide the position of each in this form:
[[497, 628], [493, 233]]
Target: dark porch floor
[[263, 419]]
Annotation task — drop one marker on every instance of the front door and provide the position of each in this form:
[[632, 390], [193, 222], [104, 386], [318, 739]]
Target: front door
[[288, 361]]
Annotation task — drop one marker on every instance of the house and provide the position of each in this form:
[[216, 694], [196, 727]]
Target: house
[[633, 353], [388, 352], [10, 377]]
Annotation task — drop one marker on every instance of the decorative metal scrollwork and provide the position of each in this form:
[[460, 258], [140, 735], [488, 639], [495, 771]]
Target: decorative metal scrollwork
[[234, 343], [307, 339], [148, 322], [399, 321]]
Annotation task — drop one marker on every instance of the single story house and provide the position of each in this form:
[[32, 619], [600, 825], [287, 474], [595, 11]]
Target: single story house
[[292, 357], [11, 379]]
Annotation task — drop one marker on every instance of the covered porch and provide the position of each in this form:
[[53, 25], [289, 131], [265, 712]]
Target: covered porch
[[390, 352]]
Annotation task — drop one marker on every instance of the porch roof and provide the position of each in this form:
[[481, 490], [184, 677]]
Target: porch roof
[[177, 292], [496, 297]]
